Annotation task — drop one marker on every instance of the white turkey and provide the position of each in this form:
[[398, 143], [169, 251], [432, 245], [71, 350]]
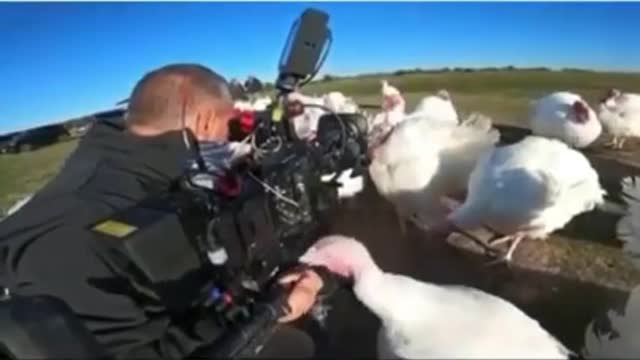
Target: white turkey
[[261, 103], [419, 162], [428, 321], [567, 117], [338, 103], [527, 190], [439, 108], [393, 109], [242, 105], [620, 116], [258, 104]]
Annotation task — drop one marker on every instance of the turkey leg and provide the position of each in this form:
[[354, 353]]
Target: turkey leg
[[508, 256]]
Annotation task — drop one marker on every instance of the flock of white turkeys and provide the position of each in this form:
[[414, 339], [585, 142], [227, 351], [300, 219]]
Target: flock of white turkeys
[[446, 174]]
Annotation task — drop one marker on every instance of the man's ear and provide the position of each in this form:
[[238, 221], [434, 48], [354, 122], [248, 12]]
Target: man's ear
[[202, 123]]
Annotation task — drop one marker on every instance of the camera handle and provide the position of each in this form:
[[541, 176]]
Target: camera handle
[[247, 340]]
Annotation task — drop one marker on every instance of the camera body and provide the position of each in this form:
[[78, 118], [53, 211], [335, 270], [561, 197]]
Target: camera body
[[198, 246]]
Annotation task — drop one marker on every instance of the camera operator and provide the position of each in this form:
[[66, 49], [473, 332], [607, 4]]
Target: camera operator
[[47, 245]]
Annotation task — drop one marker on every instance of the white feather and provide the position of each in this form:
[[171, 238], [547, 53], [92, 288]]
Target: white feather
[[242, 105], [337, 102], [620, 115], [261, 103], [438, 108], [535, 186], [428, 321], [553, 117], [422, 161]]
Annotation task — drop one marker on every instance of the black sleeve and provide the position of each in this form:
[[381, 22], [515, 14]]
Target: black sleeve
[[176, 342], [127, 320]]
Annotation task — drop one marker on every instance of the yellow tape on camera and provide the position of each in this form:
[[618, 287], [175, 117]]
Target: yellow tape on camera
[[276, 114], [114, 228]]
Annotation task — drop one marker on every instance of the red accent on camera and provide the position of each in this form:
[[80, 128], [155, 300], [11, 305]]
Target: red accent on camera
[[247, 120], [229, 185]]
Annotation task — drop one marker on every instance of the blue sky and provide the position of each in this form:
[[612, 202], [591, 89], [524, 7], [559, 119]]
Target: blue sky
[[60, 60]]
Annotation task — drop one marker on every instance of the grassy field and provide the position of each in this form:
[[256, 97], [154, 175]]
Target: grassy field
[[503, 95], [27, 172]]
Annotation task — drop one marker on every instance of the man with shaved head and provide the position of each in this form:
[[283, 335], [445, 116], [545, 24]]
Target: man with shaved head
[[48, 248], [178, 96]]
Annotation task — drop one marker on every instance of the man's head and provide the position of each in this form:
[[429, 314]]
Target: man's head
[[181, 95]]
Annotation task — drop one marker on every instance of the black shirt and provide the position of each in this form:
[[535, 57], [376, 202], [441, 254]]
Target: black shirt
[[46, 246]]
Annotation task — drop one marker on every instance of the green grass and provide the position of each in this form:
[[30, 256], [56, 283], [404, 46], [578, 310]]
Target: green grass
[[503, 95], [23, 173]]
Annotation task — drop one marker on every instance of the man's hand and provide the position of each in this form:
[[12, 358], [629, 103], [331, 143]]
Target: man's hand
[[306, 285]]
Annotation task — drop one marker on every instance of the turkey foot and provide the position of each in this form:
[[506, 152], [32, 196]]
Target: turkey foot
[[444, 229], [508, 256], [611, 144], [499, 240], [616, 143], [488, 249]]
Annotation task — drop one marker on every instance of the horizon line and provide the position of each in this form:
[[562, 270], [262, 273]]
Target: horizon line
[[409, 71]]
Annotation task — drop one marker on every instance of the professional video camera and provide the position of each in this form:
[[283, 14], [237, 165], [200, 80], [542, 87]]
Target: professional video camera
[[246, 239], [199, 245]]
